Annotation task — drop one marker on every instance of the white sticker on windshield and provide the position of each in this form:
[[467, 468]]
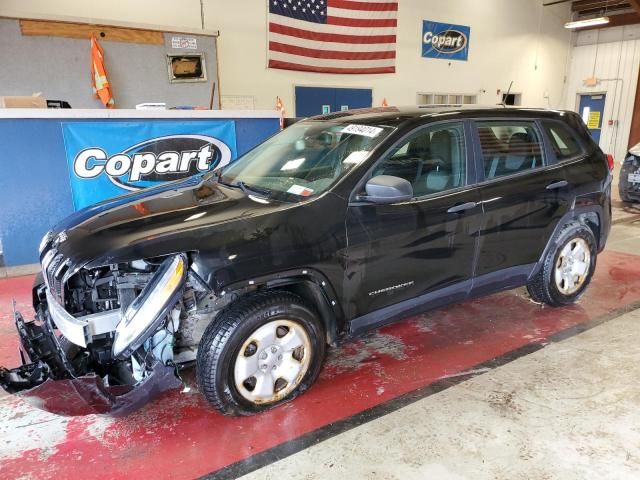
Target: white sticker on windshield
[[299, 190], [356, 157], [293, 164], [366, 130]]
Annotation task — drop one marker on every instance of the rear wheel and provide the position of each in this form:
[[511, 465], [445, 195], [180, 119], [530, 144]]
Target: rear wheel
[[567, 267], [263, 350]]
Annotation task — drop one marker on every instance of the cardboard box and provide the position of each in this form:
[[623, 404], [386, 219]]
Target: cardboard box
[[23, 102]]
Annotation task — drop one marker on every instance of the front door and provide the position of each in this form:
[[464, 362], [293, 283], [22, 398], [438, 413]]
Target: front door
[[400, 251], [592, 111]]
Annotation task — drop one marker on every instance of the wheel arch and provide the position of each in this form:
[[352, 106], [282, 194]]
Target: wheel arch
[[590, 216], [309, 284]]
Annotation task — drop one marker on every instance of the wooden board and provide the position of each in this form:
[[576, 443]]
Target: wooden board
[[82, 30]]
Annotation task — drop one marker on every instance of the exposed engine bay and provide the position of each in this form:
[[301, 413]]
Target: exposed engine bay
[[111, 331]]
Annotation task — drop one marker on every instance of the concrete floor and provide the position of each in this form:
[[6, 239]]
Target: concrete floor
[[497, 387], [568, 411]]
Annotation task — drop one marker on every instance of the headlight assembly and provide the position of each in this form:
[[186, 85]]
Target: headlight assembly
[[149, 309]]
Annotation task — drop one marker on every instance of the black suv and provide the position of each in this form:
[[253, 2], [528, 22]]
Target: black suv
[[334, 226]]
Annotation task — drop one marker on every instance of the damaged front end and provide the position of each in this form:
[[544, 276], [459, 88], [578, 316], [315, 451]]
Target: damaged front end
[[104, 340]]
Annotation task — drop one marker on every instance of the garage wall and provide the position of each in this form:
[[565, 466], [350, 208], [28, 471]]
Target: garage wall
[[505, 45], [613, 56], [510, 40], [59, 68]]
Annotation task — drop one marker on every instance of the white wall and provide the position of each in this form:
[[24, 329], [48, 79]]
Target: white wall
[[179, 13], [613, 56], [515, 40], [504, 46]]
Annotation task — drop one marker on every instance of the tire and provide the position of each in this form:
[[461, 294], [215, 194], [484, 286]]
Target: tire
[[247, 332], [545, 286], [625, 198]]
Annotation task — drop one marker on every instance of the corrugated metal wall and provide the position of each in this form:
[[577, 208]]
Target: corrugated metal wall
[[612, 56]]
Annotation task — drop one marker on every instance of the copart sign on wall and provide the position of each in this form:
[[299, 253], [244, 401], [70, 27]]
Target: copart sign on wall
[[445, 40], [107, 159]]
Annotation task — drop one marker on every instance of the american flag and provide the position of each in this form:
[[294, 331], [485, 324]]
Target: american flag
[[333, 36]]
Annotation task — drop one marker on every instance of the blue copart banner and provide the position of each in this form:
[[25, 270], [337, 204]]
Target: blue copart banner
[[445, 40], [107, 159]]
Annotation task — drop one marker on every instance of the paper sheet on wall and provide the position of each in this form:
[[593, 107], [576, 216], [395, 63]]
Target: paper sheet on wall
[[188, 43], [593, 121]]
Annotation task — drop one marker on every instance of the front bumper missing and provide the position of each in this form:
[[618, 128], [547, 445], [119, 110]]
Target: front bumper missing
[[46, 380]]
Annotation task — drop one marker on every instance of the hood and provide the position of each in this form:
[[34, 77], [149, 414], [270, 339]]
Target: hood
[[155, 221]]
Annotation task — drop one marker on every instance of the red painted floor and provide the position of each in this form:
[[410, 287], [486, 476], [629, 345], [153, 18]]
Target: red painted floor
[[179, 436]]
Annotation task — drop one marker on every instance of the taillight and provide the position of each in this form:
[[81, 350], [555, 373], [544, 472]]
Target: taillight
[[610, 161]]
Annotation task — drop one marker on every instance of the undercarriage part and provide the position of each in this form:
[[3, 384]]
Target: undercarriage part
[[24, 377], [89, 394], [38, 345]]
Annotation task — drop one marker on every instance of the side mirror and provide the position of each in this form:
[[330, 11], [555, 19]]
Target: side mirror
[[388, 189]]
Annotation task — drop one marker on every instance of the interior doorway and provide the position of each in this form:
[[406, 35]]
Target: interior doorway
[[591, 109]]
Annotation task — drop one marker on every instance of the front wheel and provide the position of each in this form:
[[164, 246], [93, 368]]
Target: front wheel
[[567, 267], [262, 350]]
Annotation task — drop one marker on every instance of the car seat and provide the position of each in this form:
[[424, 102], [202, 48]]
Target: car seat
[[520, 155], [439, 177]]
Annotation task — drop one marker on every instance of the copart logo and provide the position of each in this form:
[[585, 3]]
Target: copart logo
[[447, 42], [156, 160]]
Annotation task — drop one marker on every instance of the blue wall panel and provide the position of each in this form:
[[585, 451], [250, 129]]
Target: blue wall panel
[[34, 186], [252, 131], [353, 98], [309, 100], [35, 192]]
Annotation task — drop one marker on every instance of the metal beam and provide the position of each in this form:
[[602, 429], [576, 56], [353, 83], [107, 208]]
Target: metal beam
[[635, 4], [617, 21]]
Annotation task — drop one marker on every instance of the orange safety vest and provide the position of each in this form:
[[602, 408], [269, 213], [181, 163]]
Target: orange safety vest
[[101, 87]]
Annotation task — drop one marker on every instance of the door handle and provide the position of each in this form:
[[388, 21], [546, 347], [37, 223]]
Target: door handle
[[556, 185], [462, 207]]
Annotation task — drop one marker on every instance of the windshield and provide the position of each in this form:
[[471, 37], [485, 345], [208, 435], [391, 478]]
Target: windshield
[[303, 160]]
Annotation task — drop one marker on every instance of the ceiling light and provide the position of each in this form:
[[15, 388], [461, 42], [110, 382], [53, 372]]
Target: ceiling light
[[588, 22]]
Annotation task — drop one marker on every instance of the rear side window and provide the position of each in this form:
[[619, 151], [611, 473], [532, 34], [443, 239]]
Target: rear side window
[[563, 141], [509, 147]]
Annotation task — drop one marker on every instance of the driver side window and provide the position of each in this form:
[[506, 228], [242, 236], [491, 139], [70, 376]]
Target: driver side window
[[432, 159]]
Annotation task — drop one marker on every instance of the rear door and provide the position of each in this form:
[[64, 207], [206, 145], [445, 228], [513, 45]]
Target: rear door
[[524, 193]]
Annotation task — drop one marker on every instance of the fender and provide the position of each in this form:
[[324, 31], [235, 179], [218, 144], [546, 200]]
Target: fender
[[308, 283], [575, 214]]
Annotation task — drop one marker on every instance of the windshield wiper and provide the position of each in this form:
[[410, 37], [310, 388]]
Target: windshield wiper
[[265, 192], [249, 189]]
